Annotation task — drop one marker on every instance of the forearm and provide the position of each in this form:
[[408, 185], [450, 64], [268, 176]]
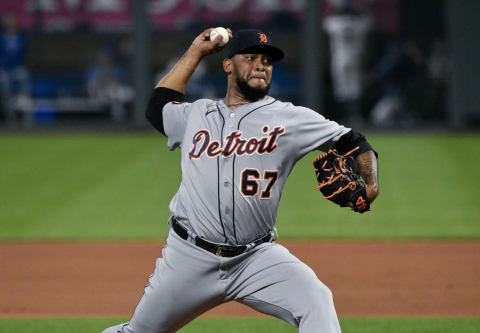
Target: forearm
[[178, 77], [172, 87], [368, 169]]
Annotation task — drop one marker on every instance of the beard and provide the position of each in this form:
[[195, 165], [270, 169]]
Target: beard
[[251, 93]]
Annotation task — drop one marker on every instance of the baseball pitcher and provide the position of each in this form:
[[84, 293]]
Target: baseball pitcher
[[236, 154]]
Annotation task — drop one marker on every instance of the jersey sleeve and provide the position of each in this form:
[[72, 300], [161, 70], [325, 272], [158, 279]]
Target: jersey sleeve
[[313, 131], [175, 117]]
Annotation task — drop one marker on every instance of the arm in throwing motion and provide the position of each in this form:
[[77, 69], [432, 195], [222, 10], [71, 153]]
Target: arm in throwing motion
[[178, 77], [172, 87]]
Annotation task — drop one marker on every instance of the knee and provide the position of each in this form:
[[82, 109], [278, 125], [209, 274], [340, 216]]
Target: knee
[[321, 297], [319, 314]]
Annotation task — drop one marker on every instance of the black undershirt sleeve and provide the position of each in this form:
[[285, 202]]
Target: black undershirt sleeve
[[349, 141], [161, 96]]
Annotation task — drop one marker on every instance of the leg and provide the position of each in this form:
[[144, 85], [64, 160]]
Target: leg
[[182, 287], [281, 285]]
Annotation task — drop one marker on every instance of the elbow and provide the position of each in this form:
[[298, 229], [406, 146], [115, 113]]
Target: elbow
[[149, 115], [154, 114], [150, 111], [155, 118]]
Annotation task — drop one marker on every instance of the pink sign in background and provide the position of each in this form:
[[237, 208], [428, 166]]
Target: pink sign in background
[[64, 15]]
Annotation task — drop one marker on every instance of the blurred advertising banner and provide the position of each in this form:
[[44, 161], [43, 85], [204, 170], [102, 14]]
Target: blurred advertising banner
[[65, 15]]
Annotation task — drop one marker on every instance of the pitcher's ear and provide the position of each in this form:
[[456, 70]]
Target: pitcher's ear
[[227, 65]]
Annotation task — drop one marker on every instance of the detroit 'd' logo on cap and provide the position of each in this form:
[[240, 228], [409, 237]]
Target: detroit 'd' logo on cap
[[263, 38]]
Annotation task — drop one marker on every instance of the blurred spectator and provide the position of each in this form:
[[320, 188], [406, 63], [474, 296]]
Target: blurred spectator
[[14, 77], [285, 83], [401, 74], [106, 84], [347, 28], [439, 71], [123, 58], [198, 86]]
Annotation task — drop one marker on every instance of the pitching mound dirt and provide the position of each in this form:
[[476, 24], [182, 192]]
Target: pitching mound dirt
[[366, 278]]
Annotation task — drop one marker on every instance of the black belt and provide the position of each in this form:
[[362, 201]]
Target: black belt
[[218, 249]]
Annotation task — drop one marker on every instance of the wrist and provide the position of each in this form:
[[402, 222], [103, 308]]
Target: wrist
[[194, 53], [372, 192]]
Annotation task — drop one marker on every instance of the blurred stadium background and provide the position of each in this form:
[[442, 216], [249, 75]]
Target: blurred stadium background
[[89, 66], [368, 63]]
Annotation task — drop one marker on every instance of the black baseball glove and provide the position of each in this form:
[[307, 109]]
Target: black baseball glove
[[339, 180]]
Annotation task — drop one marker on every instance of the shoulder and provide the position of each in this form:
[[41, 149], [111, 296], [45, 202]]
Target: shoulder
[[198, 104], [279, 107], [199, 107], [279, 104], [298, 110], [203, 103]]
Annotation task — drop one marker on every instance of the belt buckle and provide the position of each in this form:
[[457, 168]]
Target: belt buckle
[[220, 250]]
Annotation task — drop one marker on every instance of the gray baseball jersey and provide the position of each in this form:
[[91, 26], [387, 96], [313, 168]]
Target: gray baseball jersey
[[235, 163], [234, 167]]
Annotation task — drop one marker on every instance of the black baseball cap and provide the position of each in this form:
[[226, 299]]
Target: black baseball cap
[[253, 41]]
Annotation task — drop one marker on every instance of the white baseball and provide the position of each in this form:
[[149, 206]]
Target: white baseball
[[222, 32]]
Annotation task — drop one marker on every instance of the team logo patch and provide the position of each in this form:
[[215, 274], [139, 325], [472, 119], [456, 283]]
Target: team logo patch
[[263, 38]]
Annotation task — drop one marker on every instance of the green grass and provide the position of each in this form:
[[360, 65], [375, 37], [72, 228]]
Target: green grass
[[85, 187], [247, 325], [428, 190], [118, 187]]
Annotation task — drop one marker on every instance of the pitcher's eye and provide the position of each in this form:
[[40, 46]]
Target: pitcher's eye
[[267, 60]]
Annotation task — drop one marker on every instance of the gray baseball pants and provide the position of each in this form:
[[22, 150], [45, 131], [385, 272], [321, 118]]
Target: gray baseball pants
[[188, 281]]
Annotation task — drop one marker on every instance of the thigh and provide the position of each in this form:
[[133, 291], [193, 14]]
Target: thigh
[[183, 285], [275, 282]]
